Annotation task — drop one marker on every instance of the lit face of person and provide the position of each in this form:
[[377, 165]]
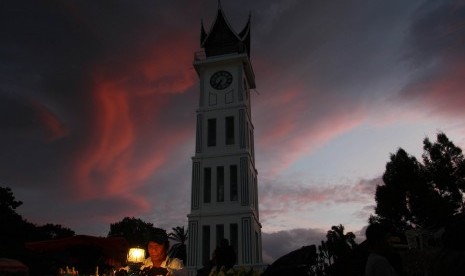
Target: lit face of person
[[157, 252]]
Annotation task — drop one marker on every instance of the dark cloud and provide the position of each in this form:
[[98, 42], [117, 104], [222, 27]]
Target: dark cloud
[[278, 244], [334, 44], [15, 113], [437, 31], [434, 49], [90, 91], [45, 51]]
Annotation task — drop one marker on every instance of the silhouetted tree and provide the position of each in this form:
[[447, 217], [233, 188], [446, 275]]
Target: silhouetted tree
[[340, 243], [15, 230], [8, 203], [180, 236], [325, 259], [134, 230], [403, 178], [337, 246], [422, 195], [445, 169], [53, 231]]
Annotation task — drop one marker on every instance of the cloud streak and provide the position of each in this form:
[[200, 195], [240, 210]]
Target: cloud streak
[[277, 197]]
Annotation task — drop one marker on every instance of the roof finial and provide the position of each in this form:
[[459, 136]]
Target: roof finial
[[203, 34], [219, 5]]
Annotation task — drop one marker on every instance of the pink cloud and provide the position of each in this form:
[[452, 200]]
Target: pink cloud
[[277, 198], [52, 126], [129, 139], [440, 94], [446, 94], [108, 147], [286, 120], [300, 125], [437, 40]]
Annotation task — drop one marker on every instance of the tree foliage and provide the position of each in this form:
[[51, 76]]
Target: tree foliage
[[15, 230], [338, 245], [178, 249], [134, 230], [8, 203], [425, 194], [53, 231], [445, 168], [8, 214]]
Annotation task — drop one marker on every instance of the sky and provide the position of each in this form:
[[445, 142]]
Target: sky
[[98, 100]]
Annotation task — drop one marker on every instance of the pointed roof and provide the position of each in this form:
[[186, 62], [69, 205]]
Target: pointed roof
[[222, 39]]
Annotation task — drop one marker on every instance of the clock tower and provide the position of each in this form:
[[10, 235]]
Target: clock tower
[[224, 201]]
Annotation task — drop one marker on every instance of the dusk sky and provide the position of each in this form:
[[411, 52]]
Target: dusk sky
[[98, 101]]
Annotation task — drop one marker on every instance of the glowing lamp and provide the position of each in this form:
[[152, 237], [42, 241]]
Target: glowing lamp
[[136, 257]]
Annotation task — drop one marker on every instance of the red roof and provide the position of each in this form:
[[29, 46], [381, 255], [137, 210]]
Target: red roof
[[10, 265], [114, 249]]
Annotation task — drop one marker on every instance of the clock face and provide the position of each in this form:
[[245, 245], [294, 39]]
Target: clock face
[[221, 80]]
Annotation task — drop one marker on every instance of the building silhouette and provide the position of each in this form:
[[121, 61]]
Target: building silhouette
[[224, 202]]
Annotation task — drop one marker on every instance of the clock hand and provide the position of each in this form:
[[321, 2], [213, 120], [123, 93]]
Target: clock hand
[[220, 81]]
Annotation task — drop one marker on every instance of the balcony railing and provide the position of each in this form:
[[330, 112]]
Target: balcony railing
[[227, 50], [200, 55]]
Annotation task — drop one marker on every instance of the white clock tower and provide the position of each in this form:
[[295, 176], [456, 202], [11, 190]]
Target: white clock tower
[[224, 202]]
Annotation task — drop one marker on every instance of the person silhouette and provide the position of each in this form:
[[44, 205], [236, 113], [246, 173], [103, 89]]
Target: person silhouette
[[379, 237], [224, 255], [158, 262]]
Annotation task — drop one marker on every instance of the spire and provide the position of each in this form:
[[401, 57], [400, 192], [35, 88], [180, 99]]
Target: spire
[[222, 39], [246, 28], [245, 35], [203, 34]]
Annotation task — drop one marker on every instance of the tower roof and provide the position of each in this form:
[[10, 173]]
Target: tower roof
[[222, 39]]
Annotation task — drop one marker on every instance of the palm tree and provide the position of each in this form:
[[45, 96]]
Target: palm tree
[[178, 250], [340, 243]]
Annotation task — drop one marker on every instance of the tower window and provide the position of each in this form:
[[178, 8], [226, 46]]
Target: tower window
[[205, 244], [233, 232], [229, 130], [207, 184], [233, 182], [219, 234], [257, 248], [211, 132], [220, 184], [212, 99]]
